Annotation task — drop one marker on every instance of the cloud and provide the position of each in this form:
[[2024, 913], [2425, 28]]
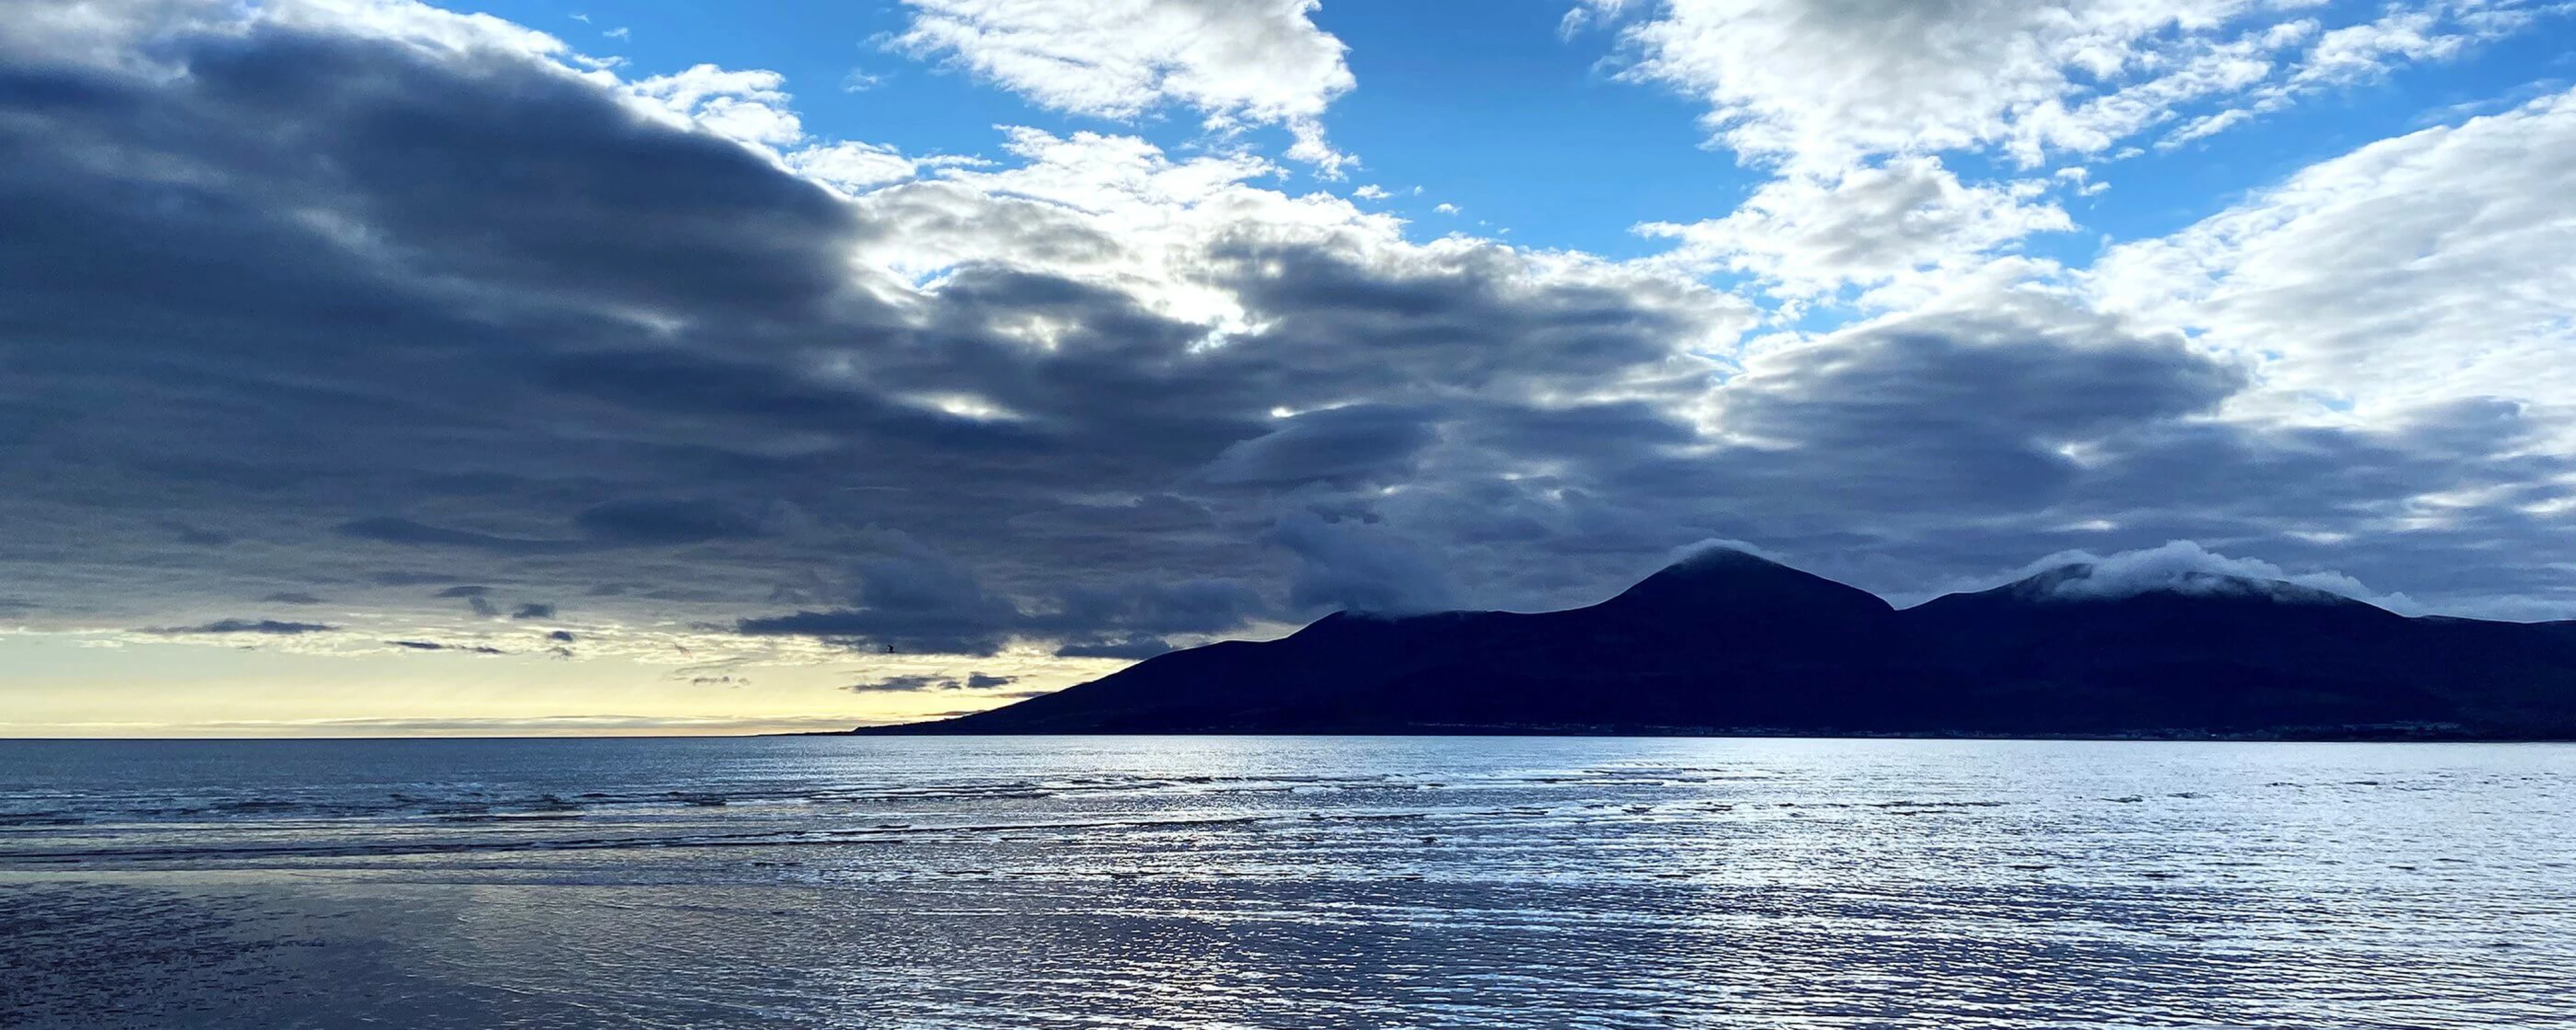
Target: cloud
[[746, 105], [915, 682], [1819, 84], [382, 303], [1233, 61], [1587, 13], [1346, 443], [625, 523], [270, 627], [399, 578], [425, 645], [292, 597], [394, 530], [918, 602], [923, 602], [1357, 567], [199, 537], [2418, 270], [1985, 409], [665, 522], [1696, 549], [904, 684], [1810, 235], [1132, 648], [853, 166], [533, 610], [2184, 566]]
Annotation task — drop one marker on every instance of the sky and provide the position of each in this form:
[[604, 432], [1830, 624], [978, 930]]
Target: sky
[[374, 367]]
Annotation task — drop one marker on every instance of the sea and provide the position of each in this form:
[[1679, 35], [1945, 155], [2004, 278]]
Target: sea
[[1290, 882]]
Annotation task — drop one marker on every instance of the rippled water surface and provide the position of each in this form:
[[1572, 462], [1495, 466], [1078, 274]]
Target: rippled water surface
[[1285, 882]]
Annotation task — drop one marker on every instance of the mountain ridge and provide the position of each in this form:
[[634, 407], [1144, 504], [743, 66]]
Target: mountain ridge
[[1728, 643]]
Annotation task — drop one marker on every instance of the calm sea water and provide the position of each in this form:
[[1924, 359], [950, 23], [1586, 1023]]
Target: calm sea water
[[1285, 882]]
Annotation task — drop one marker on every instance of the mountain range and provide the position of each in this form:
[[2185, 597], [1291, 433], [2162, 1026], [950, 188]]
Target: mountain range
[[1727, 643]]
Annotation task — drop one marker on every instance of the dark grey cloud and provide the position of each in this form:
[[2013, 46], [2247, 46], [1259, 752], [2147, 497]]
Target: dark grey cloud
[[404, 579], [392, 530], [920, 602], [1354, 566], [533, 610], [1353, 443], [904, 684], [926, 602], [1949, 416], [271, 627], [428, 645], [297, 597], [611, 525], [665, 522], [1137, 648], [911, 683], [192, 535]]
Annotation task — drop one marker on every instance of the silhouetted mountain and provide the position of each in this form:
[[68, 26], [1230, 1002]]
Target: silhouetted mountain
[[1726, 642]]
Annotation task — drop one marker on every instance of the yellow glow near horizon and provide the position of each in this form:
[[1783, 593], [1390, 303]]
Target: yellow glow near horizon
[[99, 685]]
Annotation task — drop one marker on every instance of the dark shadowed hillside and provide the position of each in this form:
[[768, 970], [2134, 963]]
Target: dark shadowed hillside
[[1726, 642]]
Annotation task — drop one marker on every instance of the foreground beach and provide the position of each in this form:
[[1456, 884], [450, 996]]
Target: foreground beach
[[1284, 882]]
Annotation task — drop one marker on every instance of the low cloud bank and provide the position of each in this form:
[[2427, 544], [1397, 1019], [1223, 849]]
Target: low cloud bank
[[2184, 566]]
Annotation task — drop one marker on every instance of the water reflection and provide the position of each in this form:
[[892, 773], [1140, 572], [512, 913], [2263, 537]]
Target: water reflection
[[1301, 883]]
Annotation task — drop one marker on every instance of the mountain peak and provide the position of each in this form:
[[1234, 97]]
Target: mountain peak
[[1725, 579]]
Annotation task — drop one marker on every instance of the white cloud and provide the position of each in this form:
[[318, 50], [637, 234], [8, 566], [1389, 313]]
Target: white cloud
[[1588, 13], [2184, 566], [1826, 83], [1809, 235], [412, 24], [2204, 127], [853, 167], [1119, 212], [2357, 52], [750, 106], [2424, 269], [1236, 62]]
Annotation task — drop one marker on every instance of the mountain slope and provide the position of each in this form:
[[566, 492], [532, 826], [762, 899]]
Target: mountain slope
[[1726, 642]]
